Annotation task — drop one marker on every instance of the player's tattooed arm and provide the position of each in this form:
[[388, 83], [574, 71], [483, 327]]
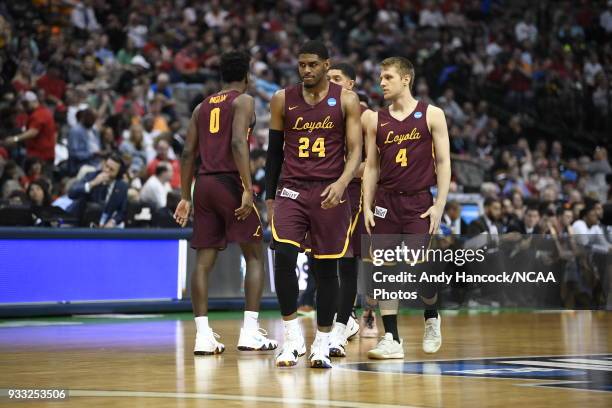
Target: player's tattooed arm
[[181, 215], [274, 158], [372, 169], [439, 131], [244, 107], [354, 142]]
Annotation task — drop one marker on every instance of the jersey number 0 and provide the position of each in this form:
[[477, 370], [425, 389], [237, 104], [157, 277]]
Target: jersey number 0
[[214, 120]]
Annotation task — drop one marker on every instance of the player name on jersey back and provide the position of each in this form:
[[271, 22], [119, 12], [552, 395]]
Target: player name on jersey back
[[215, 133]]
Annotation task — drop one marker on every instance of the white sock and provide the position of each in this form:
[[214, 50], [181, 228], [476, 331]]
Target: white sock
[[292, 326], [250, 320], [341, 327], [323, 337], [202, 324]]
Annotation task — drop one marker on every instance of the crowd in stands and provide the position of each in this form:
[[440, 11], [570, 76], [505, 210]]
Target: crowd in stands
[[93, 111]]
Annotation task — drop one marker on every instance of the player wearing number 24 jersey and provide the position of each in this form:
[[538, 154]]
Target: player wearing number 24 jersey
[[314, 125]]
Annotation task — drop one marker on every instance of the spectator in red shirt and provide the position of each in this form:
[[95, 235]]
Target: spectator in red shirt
[[41, 134], [22, 81], [53, 84], [163, 148], [128, 102]]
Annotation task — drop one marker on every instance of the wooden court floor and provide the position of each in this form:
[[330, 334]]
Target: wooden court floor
[[508, 359]]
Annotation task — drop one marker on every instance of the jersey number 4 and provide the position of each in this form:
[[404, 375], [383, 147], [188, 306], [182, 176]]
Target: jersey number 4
[[318, 147], [402, 158], [214, 120]]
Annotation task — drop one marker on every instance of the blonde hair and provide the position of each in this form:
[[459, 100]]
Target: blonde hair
[[403, 66]]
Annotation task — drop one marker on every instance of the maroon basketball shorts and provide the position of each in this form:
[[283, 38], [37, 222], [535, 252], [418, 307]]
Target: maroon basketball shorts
[[398, 218], [298, 212], [357, 224], [215, 198]]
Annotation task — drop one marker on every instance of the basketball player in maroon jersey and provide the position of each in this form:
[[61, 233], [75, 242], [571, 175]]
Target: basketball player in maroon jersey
[[313, 126], [407, 153], [346, 326], [223, 201]]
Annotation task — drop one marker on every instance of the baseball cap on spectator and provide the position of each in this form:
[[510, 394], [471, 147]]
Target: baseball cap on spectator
[[140, 61]]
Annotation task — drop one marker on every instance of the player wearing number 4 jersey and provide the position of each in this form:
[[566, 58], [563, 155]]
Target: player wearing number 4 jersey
[[313, 126], [407, 153], [223, 201]]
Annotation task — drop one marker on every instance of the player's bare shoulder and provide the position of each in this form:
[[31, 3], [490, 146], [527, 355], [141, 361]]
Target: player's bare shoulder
[[243, 100], [278, 98], [369, 120], [349, 97], [435, 116], [366, 116]]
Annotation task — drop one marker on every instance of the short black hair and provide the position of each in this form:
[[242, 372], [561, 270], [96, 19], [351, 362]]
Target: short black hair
[[315, 47], [161, 169], [346, 69], [534, 207], [490, 201], [563, 208], [117, 159], [234, 66]]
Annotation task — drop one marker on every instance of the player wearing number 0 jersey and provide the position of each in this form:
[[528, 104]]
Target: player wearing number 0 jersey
[[223, 201], [314, 125], [407, 153]]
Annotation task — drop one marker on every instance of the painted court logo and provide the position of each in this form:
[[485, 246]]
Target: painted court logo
[[584, 372], [331, 101]]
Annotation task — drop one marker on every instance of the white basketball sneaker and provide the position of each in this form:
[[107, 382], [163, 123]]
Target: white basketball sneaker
[[293, 347], [319, 354], [387, 348], [432, 338], [352, 328], [206, 343], [255, 340], [337, 341]]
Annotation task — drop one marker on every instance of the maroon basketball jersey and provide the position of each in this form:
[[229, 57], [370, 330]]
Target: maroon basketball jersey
[[215, 133], [314, 136], [406, 151]]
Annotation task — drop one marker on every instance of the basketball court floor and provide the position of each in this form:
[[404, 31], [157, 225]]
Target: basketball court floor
[[488, 359]]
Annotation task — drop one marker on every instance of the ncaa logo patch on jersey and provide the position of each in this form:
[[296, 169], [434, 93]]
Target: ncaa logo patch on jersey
[[331, 101], [418, 115]]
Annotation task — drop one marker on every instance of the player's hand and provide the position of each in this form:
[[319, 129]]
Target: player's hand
[[368, 217], [435, 214], [332, 195], [270, 208], [246, 207], [181, 215]]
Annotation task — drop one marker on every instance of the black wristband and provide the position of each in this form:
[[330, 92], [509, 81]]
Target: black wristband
[[274, 161]]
